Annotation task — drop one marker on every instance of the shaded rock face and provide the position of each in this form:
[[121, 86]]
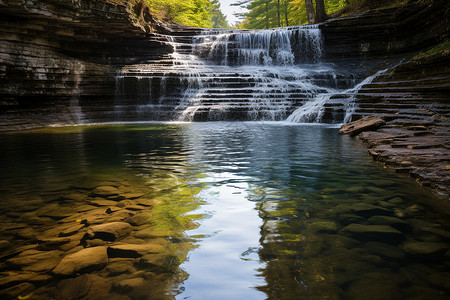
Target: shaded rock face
[[56, 56], [58, 59], [386, 32]]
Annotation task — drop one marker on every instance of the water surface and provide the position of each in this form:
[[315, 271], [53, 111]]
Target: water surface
[[247, 210]]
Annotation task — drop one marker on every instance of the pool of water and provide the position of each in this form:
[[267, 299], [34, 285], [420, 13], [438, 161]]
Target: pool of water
[[245, 210]]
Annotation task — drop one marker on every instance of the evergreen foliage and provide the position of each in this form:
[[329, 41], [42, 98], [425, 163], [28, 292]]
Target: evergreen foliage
[[275, 13]]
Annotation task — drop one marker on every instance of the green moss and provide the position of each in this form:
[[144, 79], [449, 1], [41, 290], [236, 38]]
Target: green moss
[[445, 46]]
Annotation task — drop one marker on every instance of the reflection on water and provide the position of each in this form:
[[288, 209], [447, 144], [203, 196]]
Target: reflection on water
[[237, 211]]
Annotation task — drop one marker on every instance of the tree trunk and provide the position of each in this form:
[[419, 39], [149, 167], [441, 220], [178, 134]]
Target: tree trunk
[[321, 15], [310, 11], [286, 12], [267, 14], [278, 13]]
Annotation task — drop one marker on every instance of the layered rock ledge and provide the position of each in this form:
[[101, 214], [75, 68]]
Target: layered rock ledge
[[414, 101]]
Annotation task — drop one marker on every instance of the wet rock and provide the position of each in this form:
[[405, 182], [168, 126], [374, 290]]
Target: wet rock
[[133, 195], [133, 250], [95, 243], [139, 219], [4, 244], [362, 209], [73, 288], [125, 203], [85, 260], [135, 207], [158, 263], [109, 231], [392, 221], [363, 124], [11, 278], [383, 233], [120, 267], [346, 219], [414, 210], [20, 291], [385, 250], [71, 230], [425, 249], [129, 285], [369, 289], [36, 261], [52, 244], [105, 191], [54, 212], [103, 202], [323, 226]]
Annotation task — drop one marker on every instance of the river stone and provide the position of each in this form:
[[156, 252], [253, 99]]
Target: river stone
[[73, 288], [85, 260], [363, 124], [120, 267], [425, 249], [128, 285], [385, 250], [139, 219], [105, 191], [71, 230], [323, 226], [383, 233], [36, 261], [103, 202], [125, 203], [346, 219], [52, 244], [4, 244], [392, 221], [362, 209], [133, 250], [20, 291], [109, 231]]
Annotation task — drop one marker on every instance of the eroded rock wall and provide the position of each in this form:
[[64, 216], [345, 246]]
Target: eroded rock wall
[[56, 55]]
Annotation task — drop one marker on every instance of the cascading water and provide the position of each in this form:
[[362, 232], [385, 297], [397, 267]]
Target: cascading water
[[236, 75]]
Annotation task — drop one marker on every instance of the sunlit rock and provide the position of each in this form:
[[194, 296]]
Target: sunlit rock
[[85, 260]]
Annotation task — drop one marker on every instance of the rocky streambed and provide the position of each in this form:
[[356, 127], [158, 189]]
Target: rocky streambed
[[86, 242]]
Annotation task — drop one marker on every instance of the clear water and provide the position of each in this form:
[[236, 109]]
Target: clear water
[[245, 210]]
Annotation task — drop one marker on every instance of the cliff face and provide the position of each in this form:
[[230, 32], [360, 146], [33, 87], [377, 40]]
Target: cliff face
[[58, 58], [391, 32], [57, 54]]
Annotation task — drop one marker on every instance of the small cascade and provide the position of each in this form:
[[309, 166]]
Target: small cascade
[[314, 110], [217, 75]]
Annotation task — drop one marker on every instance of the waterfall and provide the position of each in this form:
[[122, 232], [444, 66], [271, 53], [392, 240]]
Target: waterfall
[[224, 74], [312, 111]]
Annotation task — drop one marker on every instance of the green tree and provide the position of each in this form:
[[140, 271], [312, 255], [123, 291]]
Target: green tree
[[217, 17]]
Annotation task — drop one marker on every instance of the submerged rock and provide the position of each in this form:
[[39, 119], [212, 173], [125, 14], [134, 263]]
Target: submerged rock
[[20, 291], [133, 250], [109, 231], [73, 288], [385, 250], [323, 226], [105, 191], [36, 261], [391, 221], [425, 249], [384, 233], [85, 260]]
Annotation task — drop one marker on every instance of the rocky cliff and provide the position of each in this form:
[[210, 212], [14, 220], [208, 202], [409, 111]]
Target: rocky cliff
[[56, 55]]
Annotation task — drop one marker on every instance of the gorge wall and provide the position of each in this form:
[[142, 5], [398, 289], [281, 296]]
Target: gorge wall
[[57, 54], [58, 59]]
